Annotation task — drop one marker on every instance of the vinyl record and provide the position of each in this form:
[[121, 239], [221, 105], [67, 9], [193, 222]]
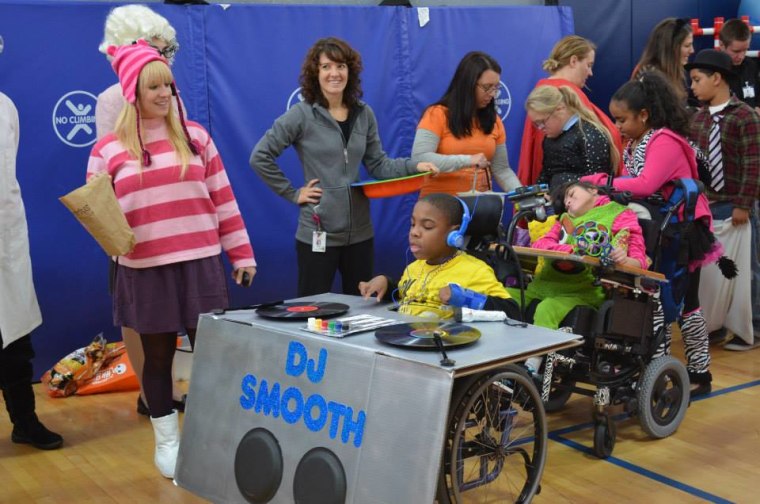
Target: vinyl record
[[302, 310], [420, 335]]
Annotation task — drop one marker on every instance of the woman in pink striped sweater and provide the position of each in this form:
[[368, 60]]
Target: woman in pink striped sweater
[[172, 186]]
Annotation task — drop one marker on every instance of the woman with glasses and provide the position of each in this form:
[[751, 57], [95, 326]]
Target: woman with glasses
[[575, 142], [126, 25], [462, 133], [570, 64]]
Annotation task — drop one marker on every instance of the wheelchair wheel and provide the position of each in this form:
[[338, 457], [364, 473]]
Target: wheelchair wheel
[[663, 396], [495, 449], [604, 437], [559, 393]]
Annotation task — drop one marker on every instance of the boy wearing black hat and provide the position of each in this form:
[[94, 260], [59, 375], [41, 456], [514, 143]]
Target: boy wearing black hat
[[728, 131]]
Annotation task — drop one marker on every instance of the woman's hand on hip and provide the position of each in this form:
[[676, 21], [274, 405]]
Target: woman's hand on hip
[[309, 193]]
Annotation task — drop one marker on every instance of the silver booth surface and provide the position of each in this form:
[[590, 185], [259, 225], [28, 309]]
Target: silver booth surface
[[275, 412]]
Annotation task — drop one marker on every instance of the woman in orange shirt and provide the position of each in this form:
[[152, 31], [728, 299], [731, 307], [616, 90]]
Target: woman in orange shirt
[[463, 135]]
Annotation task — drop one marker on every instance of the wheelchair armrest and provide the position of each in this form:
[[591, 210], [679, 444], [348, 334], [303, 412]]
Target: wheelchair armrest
[[600, 323], [581, 319]]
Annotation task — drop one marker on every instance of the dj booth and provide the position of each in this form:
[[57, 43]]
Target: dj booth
[[279, 414]]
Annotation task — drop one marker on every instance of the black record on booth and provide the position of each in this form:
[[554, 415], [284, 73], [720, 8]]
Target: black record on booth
[[302, 310], [421, 335]]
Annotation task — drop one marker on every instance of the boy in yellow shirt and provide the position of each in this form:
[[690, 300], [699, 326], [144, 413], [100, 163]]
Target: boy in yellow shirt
[[443, 276]]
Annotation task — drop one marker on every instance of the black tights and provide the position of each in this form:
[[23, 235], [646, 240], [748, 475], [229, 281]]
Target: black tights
[[157, 370]]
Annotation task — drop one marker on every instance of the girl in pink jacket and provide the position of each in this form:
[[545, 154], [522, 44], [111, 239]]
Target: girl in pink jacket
[[655, 124]]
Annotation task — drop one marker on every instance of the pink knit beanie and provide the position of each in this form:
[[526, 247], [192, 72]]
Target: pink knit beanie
[[128, 61]]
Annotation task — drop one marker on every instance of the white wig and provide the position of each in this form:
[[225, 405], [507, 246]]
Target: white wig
[[129, 23]]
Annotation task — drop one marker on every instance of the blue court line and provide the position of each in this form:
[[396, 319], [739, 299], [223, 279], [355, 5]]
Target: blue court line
[[622, 416], [646, 473], [728, 390], [556, 435]]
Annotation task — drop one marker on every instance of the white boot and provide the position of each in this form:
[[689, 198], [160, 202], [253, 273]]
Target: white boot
[[166, 431]]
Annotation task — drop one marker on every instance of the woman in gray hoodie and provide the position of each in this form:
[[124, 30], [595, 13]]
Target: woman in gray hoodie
[[333, 132]]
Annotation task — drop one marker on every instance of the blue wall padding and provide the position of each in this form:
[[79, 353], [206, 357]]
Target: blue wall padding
[[236, 69]]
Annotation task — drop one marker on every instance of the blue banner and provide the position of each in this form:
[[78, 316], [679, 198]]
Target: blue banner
[[237, 71]]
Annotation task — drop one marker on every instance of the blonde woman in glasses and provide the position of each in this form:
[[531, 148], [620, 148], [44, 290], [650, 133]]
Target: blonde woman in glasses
[[575, 142], [569, 64], [463, 135]]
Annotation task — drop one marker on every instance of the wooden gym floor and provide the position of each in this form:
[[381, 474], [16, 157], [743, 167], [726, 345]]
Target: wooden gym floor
[[713, 457]]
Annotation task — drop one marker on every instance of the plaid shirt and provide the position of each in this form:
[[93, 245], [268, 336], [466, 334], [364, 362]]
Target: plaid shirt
[[740, 145]]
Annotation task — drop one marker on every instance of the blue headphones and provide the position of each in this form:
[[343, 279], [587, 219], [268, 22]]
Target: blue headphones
[[456, 238]]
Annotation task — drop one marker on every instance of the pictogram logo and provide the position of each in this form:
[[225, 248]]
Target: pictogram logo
[[503, 101], [74, 119], [295, 98]]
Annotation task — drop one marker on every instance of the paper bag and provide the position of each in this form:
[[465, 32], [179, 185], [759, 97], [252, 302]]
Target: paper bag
[[96, 208]]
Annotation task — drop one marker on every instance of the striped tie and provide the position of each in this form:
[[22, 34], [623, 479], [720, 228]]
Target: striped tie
[[715, 155]]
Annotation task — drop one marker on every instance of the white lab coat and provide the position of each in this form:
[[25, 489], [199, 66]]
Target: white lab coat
[[19, 311]]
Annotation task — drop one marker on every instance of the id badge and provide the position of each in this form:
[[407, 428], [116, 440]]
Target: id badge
[[748, 90], [318, 241]]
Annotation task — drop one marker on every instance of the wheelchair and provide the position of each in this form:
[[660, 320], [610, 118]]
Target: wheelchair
[[623, 358], [496, 442]]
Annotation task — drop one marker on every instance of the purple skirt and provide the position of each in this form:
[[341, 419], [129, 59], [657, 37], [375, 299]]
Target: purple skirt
[[168, 298]]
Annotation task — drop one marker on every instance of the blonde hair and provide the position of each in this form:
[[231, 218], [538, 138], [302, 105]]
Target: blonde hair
[[155, 72], [546, 99], [565, 49], [130, 23]]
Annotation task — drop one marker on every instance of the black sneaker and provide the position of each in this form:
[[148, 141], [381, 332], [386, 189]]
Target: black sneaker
[[718, 336], [699, 390], [37, 435], [142, 408], [701, 384], [180, 405]]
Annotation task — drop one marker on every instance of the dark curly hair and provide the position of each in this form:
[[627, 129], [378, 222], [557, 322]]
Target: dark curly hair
[[340, 52], [651, 91], [450, 206], [459, 98]]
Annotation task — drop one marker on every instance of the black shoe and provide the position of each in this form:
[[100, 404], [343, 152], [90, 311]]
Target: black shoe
[[180, 405], [718, 336], [700, 390], [142, 408], [701, 384], [34, 433]]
